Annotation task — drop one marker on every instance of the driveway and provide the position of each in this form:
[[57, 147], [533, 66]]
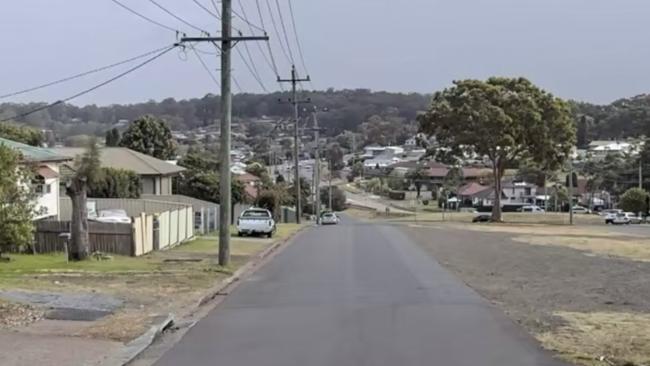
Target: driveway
[[355, 294]]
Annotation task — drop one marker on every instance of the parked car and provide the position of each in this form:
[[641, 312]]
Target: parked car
[[531, 209], [256, 221], [581, 210], [610, 215], [482, 217], [634, 219], [626, 218], [329, 218], [113, 216], [604, 213]]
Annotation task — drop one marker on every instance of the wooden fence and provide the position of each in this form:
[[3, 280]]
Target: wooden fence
[[104, 237]]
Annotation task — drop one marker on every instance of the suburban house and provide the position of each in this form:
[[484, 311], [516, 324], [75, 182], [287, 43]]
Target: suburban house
[[514, 195], [381, 156], [46, 182], [472, 194], [155, 175], [601, 148]]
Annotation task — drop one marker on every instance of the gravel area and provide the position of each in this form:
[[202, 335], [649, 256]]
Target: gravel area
[[533, 284], [14, 315]]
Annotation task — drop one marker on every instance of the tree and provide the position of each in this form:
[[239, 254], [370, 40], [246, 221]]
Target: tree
[[87, 173], [116, 183], [582, 133], [113, 137], [338, 198], [201, 180], [273, 198], [150, 136], [305, 193], [356, 171], [21, 134], [505, 120], [78, 140], [334, 155], [417, 177], [16, 201], [634, 200]]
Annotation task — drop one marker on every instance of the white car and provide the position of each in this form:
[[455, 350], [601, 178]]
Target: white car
[[531, 209], [626, 218], [113, 216], [329, 218], [581, 210], [256, 221]]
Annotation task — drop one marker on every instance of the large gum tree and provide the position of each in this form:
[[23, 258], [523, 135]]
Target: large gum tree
[[505, 120]]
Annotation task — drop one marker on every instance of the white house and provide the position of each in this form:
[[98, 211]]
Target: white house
[[513, 194], [601, 148], [47, 164]]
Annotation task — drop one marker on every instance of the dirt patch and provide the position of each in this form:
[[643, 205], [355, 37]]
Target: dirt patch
[[122, 327], [537, 284], [13, 315]]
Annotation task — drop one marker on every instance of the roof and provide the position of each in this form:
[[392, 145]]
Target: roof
[[473, 172], [126, 159], [472, 189], [35, 154], [47, 173], [437, 172], [251, 191]]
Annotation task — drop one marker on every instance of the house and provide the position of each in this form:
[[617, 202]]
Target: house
[[46, 183], [514, 195], [601, 148], [473, 193], [155, 175]]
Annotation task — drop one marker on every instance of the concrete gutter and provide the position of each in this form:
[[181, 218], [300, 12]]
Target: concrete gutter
[[138, 345]]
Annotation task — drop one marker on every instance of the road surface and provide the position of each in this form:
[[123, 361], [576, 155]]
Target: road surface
[[355, 294]]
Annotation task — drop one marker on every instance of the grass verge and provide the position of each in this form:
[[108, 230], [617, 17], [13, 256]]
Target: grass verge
[[601, 338]]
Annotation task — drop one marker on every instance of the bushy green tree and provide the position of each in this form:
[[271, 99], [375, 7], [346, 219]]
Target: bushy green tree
[[116, 183], [151, 136], [505, 120], [25, 135], [201, 179], [338, 198], [16, 201], [113, 137], [634, 200]]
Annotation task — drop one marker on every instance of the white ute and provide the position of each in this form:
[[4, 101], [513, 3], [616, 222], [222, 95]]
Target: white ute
[[256, 221]]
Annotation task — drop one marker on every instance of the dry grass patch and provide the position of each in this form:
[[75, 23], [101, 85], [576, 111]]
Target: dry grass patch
[[635, 249], [122, 327], [620, 339]]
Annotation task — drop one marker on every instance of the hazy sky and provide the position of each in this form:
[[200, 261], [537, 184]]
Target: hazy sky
[[593, 50]]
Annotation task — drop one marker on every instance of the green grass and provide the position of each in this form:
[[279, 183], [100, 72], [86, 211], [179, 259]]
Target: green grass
[[25, 264]]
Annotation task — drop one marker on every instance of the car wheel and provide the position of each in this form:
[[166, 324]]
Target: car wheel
[[240, 234], [270, 235]]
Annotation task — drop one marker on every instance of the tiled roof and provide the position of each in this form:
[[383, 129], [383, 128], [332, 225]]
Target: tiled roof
[[35, 154], [123, 158], [247, 178], [472, 189]]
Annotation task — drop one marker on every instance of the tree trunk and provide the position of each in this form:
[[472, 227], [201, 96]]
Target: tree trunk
[[496, 205], [79, 242]]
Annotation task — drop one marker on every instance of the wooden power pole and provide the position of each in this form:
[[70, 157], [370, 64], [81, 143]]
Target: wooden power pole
[[296, 135], [227, 43]]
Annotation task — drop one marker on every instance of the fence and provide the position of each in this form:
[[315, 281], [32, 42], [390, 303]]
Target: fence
[[133, 207], [144, 235], [206, 214], [104, 237]]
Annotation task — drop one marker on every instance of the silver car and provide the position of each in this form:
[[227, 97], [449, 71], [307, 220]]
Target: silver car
[[329, 218]]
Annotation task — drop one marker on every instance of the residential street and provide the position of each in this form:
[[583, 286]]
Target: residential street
[[355, 294]]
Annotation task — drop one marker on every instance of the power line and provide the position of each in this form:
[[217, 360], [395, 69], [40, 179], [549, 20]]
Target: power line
[[284, 30], [145, 17], [177, 17], [205, 66], [206, 9], [245, 19], [272, 62], [77, 76], [251, 70], [89, 90], [295, 32], [277, 32], [259, 47]]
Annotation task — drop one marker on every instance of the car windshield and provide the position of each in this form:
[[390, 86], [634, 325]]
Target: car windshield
[[255, 214]]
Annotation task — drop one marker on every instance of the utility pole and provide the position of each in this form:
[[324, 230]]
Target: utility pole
[[570, 192], [296, 136], [317, 131], [227, 43], [641, 173], [330, 185]]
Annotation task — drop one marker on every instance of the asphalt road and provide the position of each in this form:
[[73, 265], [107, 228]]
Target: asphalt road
[[355, 294]]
